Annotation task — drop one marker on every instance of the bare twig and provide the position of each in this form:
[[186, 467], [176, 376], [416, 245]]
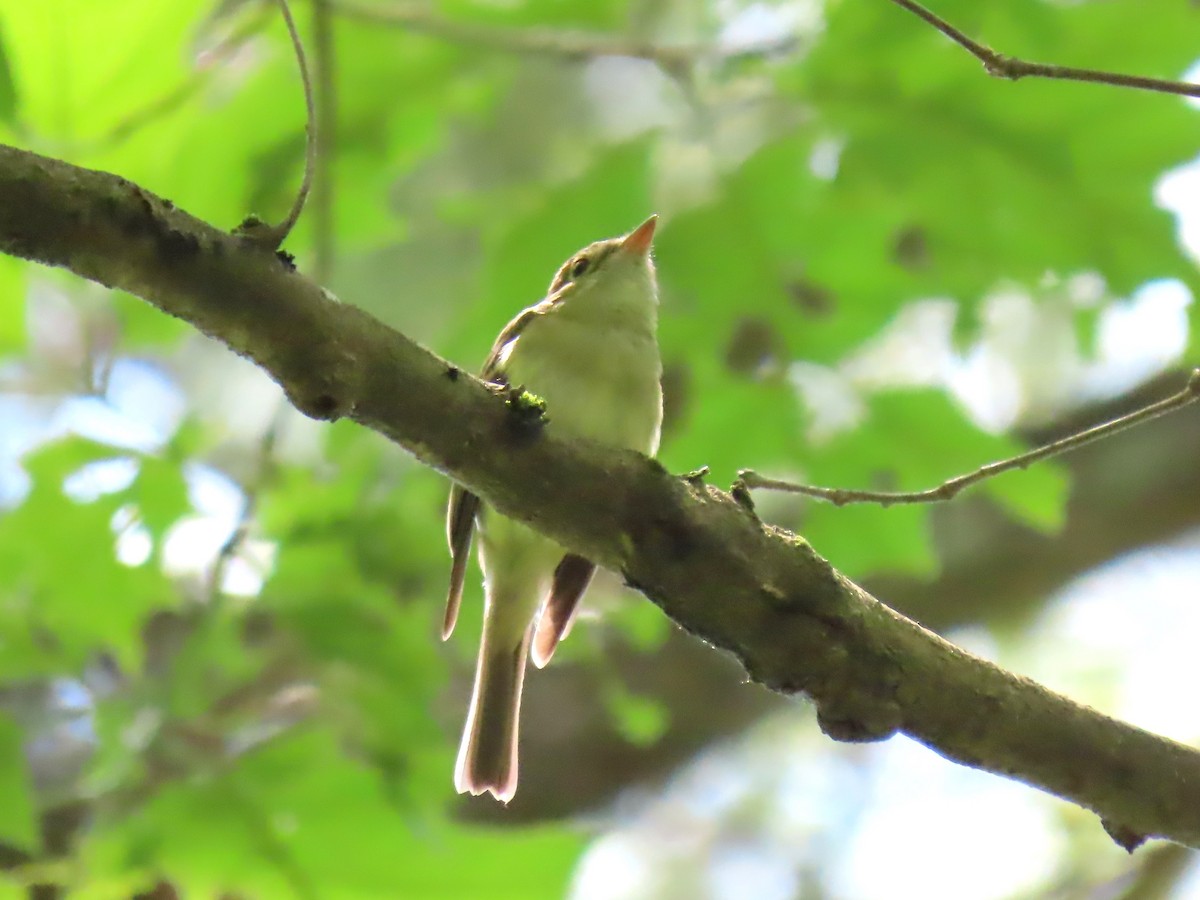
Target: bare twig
[[265, 462], [326, 139], [1010, 67], [272, 236], [676, 60], [947, 489]]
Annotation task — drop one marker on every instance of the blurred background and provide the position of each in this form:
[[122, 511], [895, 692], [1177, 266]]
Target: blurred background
[[220, 673]]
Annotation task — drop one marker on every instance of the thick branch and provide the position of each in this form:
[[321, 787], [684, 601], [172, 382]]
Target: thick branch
[[794, 622]]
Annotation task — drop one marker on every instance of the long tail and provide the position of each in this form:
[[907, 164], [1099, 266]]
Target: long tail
[[487, 757]]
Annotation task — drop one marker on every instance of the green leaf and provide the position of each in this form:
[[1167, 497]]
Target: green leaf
[[143, 325], [18, 823], [13, 274], [61, 586], [1003, 180], [641, 720], [913, 441], [8, 87], [87, 65], [300, 818], [863, 539], [160, 492]]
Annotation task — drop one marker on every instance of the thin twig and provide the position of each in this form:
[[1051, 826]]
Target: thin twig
[[310, 125], [326, 139], [675, 59], [841, 497], [272, 236], [1010, 67], [263, 467]]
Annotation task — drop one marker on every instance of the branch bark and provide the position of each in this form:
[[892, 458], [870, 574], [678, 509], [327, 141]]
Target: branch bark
[[758, 592]]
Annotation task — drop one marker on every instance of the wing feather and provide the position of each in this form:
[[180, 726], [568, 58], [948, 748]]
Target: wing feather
[[571, 579], [460, 526], [464, 506]]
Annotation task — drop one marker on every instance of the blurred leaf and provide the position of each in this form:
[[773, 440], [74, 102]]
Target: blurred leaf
[[300, 818], [1005, 180], [60, 582], [577, 14], [143, 325], [862, 539], [339, 589], [161, 494], [641, 720], [18, 824], [912, 441], [12, 304], [81, 65], [8, 88], [643, 625]]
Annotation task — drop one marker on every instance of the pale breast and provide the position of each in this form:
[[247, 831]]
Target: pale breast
[[599, 383]]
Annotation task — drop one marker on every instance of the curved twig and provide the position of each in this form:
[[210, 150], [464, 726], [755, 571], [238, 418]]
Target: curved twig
[[947, 489], [272, 236], [1002, 66], [674, 59]]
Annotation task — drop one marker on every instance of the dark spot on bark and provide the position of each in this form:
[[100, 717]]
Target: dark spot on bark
[[452, 372], [288, 260], [107, 206], [147, 207], [674, 538], [178, 245], [1126, 838], [853, 729], [133, 221], [323, 406], [657, 467]]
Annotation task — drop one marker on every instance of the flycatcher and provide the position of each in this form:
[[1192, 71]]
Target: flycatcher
[[590, 350]]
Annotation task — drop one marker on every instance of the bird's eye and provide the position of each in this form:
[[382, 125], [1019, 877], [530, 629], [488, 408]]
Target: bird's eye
[[580, 266]]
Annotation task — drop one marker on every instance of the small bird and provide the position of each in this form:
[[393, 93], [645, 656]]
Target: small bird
[[590, 350]]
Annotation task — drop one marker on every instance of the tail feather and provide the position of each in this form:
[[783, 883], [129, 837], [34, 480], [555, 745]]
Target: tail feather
[[487, 757]]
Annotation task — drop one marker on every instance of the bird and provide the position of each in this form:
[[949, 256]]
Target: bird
[[590, 351]]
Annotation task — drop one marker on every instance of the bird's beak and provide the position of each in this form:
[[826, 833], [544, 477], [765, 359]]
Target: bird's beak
[[639, 240]]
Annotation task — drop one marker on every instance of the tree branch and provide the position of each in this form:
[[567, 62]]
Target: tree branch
[[794, 622], [1010, 67]]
